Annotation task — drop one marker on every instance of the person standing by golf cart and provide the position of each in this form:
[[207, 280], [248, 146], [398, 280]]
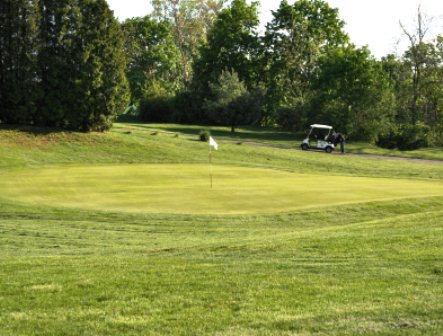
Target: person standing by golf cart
[[340, 139]]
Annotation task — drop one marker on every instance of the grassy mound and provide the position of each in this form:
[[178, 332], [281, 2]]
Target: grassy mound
[[185, 189]]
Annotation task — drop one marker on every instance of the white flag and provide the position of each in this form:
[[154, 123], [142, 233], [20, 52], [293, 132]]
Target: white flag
[[213, 143]]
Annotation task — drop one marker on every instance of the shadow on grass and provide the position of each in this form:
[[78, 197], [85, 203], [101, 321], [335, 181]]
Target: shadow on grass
[[35, 130]]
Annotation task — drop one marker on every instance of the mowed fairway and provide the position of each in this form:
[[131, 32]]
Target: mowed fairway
[[121, 234], [185, 189]]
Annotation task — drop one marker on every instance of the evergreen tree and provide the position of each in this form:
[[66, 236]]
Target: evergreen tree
[[61, 64], [102, 86], [232, 104], [18, 66], [59, 28]]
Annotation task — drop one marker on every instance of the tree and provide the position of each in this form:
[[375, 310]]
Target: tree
[[19, 89], [232, 43], [297, 36], [422, 85], [416, 57], [231, 103], [398, 74], [152, 56], [438, 116], [351, 92], [191, 21], [102, 84], [431, 93], [58, 62], [61, 64]]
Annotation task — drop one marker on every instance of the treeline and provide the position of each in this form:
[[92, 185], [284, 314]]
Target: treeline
[[187, 64], [70, 64], [61, 64]]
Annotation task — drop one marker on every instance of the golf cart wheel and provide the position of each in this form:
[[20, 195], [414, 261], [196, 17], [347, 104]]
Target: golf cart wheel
[[304, 147], [328, 149]]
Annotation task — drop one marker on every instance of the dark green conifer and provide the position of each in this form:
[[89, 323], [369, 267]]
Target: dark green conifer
[[103, 84], [18, 50], [61, 64]]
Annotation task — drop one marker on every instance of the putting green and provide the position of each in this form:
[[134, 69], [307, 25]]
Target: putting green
[[184, 189]]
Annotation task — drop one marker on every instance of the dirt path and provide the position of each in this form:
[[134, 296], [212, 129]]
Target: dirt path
[[369, 156]]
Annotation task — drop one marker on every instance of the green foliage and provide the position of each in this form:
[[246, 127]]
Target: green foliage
[[232, 104], [406, 137], [417, 76], [291, 118], [19, 91], [62, 64], [151, 55], [190, 22], [412, 137], [204, 135], [232, 43], [350, 92], [294, 40], [157, 104], [68, 68], [104, 89], [157, 109], [388, 139]]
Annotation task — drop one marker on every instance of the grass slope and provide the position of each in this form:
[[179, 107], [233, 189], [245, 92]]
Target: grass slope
[[42, 149], [278, 137], [366, 269], [370, 268]]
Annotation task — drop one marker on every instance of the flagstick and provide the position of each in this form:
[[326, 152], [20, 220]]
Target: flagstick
[[210, 165]]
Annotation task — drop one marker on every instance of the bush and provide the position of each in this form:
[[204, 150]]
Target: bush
[[290, 118], [406, 137], [413, 136], [204, 135], [437, 135], [157, 109], [388, 140]]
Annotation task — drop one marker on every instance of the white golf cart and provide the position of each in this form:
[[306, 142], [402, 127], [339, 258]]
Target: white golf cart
[[319, 137]]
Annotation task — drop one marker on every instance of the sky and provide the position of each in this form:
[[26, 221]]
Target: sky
[[368, 22]]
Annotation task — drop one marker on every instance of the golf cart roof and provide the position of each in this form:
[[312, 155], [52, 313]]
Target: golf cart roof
[[321, 126]]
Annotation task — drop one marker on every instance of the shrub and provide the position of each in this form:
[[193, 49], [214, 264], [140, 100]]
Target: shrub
[[406, 137], [413, 136], [157, 109], [290, 118], [157, 104], [388, 139], [204, 135], [437, 135]]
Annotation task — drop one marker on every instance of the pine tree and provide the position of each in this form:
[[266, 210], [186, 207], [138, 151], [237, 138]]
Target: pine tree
[[59, 28], [103, 84], [18, 43], [61, 64]]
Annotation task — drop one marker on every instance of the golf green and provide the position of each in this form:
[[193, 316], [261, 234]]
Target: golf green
[[185, 189]]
